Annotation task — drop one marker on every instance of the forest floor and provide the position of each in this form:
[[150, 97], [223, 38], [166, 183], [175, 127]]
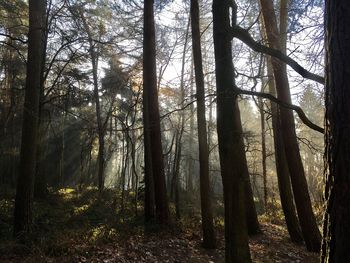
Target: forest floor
[[85, 227]]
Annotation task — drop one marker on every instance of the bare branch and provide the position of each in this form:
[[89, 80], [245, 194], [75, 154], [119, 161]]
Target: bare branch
[[23, 41], [243, 35], [297, 109]]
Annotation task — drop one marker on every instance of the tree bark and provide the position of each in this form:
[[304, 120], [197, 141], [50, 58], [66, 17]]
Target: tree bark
[[149, 207], [336, 230], [251, 215], [282, 170], [209, 240], [152, 121], [230, 137], [263, 150], [307, 218], [40, 181], [283, 178], [176, 172], [28, 154]]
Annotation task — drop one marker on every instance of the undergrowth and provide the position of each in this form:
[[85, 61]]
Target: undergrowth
[[68, 221]]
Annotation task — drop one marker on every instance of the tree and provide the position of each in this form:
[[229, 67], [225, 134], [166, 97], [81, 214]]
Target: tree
[[154, 166], [25, 183], [231, 146], [307, 218], [205, 191], [94, 56], [13, 72], [312, 142], [336, 231], [284, 184]]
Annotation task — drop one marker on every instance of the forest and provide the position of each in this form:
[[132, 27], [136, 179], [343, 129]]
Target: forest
[[175, 131]]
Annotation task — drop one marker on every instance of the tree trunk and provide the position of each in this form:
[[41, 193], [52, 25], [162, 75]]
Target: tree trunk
[[283, 178], [230, 137], [25, 183], [307, 219], [190, 159], [61, 176], [101, 130], [135, 186], [152, 121], [149, 207], [40, 184], [336, 243], [176, 172], [124, 162], [209, 240], [251, 215], [180, 129], [263, 150]]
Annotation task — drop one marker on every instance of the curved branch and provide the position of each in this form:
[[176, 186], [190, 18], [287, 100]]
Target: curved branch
[[297, 109], [272, 98], [243, 35]]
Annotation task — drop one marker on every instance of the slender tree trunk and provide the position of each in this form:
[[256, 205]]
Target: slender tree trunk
[[263, 149], [168, 161], [231, 145], [62, 150], [336, 230], [180, 129], [101, 130], [283, 178], [125, 157], [152, 120], [176, 173], [190, 160], [307, 218], [25, 182], [209, 240], [133, 167], [173, 171]]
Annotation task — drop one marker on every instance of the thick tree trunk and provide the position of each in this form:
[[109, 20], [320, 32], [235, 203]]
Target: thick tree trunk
[[230, 137], [284, 184], [152, 121], [209, 240], [40, 184], [25, 183], [336, 243], [307, 218], [149, 207]]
